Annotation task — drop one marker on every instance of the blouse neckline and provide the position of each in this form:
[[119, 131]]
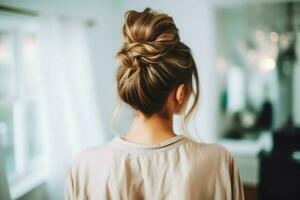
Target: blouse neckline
[[121, 143]]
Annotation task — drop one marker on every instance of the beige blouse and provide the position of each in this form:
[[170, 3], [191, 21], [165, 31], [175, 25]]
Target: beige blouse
[[177, 168]]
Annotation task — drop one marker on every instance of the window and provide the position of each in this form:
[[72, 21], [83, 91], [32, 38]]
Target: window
[[19, 104]]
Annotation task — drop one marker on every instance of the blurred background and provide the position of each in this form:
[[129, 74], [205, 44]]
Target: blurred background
[[57, 87]]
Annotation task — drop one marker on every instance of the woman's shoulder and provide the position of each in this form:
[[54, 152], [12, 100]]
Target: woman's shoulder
[[92, 163], [92, 156], [210, 150], [91, 152]]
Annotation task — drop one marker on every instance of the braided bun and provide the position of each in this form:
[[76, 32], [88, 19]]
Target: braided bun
[[148, 36], [153, 61]]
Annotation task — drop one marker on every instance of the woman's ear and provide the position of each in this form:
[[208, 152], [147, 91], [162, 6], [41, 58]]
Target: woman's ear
[[180, 93]]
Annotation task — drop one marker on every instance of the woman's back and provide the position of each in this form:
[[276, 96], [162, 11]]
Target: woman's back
[[177, 168]]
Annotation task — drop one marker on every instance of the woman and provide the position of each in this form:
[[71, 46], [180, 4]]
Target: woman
[[150, 161]]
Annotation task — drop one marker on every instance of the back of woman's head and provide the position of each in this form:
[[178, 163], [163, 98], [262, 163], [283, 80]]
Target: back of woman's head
[[153, 61]]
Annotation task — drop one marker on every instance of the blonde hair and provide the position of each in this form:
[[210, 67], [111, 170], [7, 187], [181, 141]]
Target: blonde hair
[[153, 61]]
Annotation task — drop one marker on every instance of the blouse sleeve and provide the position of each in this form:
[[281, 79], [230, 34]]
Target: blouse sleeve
[[69, 186], [236, 183]]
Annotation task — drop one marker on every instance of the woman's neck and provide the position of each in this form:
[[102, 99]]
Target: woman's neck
[[151, 130]]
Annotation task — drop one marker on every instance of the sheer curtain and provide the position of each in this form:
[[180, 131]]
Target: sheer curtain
[[71, 115]]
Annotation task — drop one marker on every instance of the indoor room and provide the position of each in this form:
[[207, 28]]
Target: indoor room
[[59, 91]]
